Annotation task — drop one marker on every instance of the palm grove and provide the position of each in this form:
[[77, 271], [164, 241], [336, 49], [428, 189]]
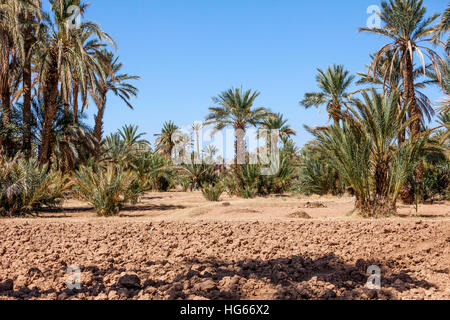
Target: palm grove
[[379, 147]]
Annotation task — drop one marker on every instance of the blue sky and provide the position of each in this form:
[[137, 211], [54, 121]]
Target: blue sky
[[189, 51]]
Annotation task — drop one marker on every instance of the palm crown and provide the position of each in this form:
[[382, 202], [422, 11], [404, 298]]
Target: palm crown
[[334, 85]]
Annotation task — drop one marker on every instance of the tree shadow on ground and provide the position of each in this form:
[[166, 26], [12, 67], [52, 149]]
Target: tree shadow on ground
[[54, 213], [295, 277], [153, 207]]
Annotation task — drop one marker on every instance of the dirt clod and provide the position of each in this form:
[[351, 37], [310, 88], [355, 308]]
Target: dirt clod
[[300, 215], [130, 281]]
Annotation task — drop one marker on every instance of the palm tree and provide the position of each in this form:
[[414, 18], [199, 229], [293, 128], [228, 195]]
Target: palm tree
[[126, 148], [388, 65], [197, 127], [277, 122], [114, 82], [366, 153], [210, 151], [73, 143], [132, 139], [165, 140], [60, 52], [406, 26], [31, 17], [11, 41], [333, 85], [235, 108], [93, 47]]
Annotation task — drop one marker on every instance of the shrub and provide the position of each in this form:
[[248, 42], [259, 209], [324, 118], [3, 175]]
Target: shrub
[[108, 190], [184, 183], [212, 192], [248, 181], [25, 187], [202, 174], [316, 176], [437, 183]]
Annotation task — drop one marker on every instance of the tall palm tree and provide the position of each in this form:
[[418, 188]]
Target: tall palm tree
[[333, 85], [31, 17], [407, 26], [115, 82], [197, 127], [235, 108], [61, 52], [388, 65], [165, 140], [73, 143], [11, 43], [93, 47], [210, 151]]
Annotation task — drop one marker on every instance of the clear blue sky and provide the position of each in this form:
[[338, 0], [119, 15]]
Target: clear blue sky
[[187, 51]]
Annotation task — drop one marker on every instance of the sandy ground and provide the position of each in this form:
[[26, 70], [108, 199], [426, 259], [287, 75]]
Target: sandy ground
[[178, 246]]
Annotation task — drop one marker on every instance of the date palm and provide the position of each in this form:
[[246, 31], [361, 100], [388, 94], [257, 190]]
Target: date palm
[[115, 82], [235, 108], [388, 65], [334, 85], [134, 139], [60, 52], [197, 127], [407, 27], [19, 28], [12, 49], [277, 122], [210, 151], [30, 18], [165, 141], [366, 153], [73, 141]]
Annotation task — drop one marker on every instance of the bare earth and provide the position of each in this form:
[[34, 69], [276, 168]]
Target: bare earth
[[178, 246]]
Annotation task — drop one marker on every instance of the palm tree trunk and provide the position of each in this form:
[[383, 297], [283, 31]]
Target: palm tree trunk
[[413, 108], [50, 108], [336, 114], [239, 146], [98, 129], [26, 106], [5, 91], [409, 93], [381, 179], [198, 143]]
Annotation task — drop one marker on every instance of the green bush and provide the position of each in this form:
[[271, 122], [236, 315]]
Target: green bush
[[248, 181], [316, 176], [107, 190], [437, 182], [25, 187], [212, 192]]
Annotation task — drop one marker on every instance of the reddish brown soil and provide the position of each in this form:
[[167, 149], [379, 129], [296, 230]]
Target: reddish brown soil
[[297, 259]]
